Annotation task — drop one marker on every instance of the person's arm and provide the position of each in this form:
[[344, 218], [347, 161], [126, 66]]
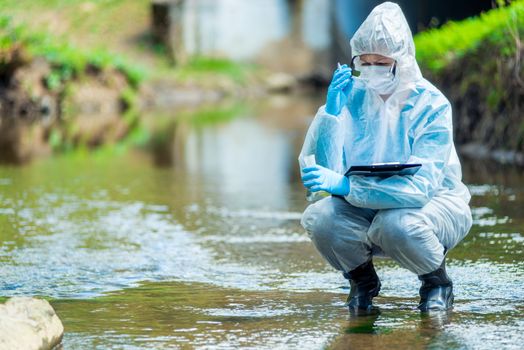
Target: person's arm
[[325, 139], [431, 147]]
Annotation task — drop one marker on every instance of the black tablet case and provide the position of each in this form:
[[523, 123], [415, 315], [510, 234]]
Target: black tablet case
[[383, 170]]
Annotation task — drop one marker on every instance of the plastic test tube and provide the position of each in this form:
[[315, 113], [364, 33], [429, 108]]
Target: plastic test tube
[[310, 160]]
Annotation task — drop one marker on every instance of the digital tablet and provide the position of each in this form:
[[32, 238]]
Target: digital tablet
[[383, 169]]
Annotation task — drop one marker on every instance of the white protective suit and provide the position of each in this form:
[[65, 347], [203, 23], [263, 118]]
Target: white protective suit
[[413, 219]]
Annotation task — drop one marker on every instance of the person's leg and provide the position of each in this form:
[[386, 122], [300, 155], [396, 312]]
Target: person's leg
[[339, 232], [417, 237]]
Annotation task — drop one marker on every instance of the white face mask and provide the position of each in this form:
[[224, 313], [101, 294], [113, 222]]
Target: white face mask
[[379, 78]]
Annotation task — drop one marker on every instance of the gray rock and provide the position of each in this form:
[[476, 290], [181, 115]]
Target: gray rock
[[28, 323]]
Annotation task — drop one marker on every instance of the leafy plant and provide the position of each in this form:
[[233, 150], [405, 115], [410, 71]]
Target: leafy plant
[[437, 48]]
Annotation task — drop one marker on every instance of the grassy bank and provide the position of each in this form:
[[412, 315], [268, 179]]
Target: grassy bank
[[46, 82], [478, 65], [114, 32], [116, 26], [20, 44], [61, 58], [438, 48]]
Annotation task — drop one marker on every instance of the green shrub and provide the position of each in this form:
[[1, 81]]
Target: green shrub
[[436, 48]]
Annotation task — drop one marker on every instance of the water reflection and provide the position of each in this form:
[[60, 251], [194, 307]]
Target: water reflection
[[401, 330], [243, 157]]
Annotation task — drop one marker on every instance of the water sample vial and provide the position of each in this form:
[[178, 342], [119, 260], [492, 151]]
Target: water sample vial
[[308, 161]]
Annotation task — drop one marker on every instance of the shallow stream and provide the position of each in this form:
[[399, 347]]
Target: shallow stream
[[195, 241]]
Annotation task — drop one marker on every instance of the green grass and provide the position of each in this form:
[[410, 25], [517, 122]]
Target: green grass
[[437, 48], [95, 23]]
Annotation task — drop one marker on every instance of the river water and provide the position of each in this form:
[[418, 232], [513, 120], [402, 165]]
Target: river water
[[193, 240]]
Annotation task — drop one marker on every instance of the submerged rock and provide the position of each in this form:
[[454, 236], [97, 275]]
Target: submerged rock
[[28, 323]]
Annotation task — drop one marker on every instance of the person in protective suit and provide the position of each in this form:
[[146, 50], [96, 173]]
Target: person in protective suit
[[389, 113]]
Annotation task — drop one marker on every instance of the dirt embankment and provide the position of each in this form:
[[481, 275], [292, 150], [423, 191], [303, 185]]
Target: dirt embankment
[[40, 112], [486, 88]]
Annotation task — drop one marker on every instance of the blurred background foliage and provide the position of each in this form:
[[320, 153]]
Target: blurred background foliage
[[241, 50], [503, 27]]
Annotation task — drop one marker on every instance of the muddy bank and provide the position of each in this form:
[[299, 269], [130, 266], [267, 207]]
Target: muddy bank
[[56, 96], [39, 114], [101, 107], [486, 89], [477, 63], [206, 90]]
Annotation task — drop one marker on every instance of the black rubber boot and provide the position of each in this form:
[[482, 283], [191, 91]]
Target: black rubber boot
[[365, 285], [436, 292]]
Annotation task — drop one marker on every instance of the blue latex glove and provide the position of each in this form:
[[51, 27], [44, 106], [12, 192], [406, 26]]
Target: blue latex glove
[[317, 178], [338, 91]]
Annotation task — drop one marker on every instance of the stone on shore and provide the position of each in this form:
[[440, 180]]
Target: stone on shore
[[28, 323]]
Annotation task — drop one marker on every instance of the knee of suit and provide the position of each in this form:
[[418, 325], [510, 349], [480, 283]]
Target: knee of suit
[[318, 219], [396, 227]]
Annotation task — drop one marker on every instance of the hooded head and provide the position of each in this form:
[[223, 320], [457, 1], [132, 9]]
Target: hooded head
[[386, 32]]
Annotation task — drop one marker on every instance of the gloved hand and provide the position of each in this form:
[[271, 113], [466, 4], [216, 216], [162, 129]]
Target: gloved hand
[[338, 91], [317, 178]]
